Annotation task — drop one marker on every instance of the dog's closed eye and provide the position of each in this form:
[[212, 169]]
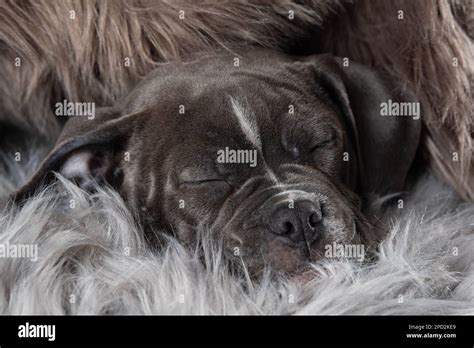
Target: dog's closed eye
[[203, 181], [303, 142], [206, 189], [195, 176], [320, 144]]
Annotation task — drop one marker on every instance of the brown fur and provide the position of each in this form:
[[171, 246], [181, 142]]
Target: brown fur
[[82, 59]]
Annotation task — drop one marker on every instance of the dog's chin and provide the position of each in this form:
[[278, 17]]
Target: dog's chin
[[294, 262], [290, 259]]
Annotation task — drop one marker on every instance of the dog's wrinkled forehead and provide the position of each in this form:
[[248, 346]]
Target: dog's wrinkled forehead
[[248, 102], [189, 81]]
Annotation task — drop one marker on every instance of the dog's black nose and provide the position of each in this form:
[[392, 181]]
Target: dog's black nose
[[301, 222]]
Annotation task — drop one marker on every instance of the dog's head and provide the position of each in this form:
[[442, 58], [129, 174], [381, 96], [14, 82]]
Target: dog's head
[[271, 154]]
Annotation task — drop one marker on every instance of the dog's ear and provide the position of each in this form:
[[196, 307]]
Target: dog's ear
[[385, 147], [87, 152]]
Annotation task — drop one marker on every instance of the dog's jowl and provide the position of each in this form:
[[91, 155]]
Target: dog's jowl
[[276, 157]]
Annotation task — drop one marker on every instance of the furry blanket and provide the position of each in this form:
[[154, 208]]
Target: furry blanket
[[92, 259]]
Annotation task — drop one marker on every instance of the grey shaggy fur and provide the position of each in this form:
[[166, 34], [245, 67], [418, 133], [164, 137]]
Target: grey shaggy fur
[[92, 259]]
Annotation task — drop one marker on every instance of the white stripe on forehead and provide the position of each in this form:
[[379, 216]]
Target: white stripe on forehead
[[247, 123]]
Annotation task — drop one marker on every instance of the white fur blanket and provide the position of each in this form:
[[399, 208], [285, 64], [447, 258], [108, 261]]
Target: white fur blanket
[[92, 259]]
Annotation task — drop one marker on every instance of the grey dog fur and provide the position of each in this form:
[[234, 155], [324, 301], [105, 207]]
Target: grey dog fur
[[337, 112]]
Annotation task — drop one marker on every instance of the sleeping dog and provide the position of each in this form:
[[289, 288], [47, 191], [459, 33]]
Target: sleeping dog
[[275, 156]]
